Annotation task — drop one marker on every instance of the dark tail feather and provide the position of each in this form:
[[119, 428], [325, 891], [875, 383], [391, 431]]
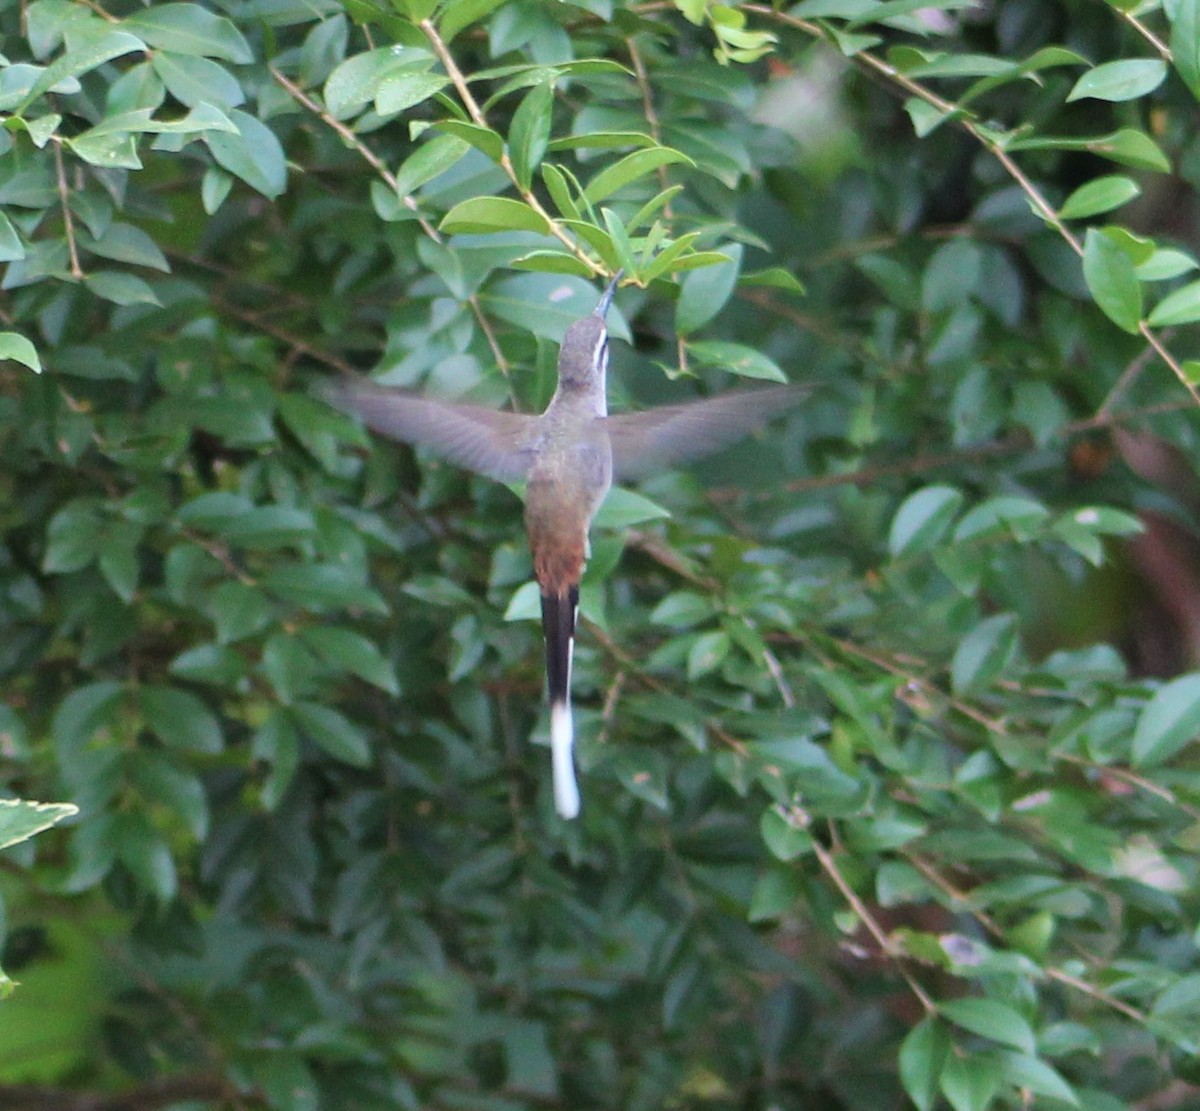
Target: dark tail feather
[[558, 627]]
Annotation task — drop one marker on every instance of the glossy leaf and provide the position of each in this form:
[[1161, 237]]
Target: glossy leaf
[[1169, 722], [493, 214], [1180, 307], [530, 132], [1110, 277], [703, 293], [923, 519], [1100, 195], [629, 169]]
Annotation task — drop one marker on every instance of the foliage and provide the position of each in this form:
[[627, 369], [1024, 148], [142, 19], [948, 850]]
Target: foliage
[[890, 789]]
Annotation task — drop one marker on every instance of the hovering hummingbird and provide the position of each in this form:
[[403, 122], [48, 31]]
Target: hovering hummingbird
[[569, 456]]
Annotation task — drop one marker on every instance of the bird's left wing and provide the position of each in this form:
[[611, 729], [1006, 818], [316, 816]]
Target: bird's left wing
[[487, 441], [643, 442]]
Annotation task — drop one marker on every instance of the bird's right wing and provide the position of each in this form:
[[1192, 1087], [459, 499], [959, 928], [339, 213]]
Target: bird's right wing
[[654, 438], [487, 441]]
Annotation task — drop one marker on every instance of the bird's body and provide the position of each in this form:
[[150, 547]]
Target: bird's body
[[569, 456]]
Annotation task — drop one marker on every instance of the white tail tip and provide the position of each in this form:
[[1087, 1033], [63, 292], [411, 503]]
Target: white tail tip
[[562, 741]]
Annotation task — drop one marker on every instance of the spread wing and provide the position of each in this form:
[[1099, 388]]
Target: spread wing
[[644, 442], [492, 443]]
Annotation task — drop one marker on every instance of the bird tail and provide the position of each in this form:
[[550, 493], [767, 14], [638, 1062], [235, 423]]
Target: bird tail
[[558, 627]]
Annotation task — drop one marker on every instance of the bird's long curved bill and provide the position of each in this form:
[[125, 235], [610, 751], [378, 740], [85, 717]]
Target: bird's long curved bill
[[607, 296]]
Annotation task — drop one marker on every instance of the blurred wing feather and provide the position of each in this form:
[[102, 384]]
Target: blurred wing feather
[[643, 442], [486, 441]]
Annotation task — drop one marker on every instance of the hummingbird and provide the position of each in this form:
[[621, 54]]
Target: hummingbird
[[569, 457]]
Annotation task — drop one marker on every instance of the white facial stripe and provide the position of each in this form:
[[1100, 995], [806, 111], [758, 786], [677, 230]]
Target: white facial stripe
[[600, 362]]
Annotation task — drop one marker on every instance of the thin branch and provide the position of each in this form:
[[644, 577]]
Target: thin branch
[[801, 820], [1096, 993], [781, 683], [64, 194], [1160, 47], [1126, 379]]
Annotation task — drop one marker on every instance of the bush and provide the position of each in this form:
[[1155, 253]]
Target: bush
[[886, 714]]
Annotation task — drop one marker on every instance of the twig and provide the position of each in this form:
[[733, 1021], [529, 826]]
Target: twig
[[68, 221], [798, 818], [1163, 50]]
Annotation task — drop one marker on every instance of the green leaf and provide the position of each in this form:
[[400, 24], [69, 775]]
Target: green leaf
[[1126, 79], [190, 29], [773, 277], [784, 840], [180, 719], [83, 712], [682, 609], [552, 262], [127, 243], [629, 169], [1109, 274], [73, 538], [737, 359], [352, 84], [321, 586], [432, 158], [1185, 42], [1102, 194], [1180, 307], [120, 288], [481, 138], [1164, 264], [923, 519], [21, 819], [984, 653], [703, 293], [1128, 146], [590, 140], [15, 346], [406, 88], [707, 653], [922, 1056], [991, 1019], [530, 132], [460, 14], [11, 247], [525, 604], [91, 53], [269, 526], [560, 192], [174, 786], [492, 214], [253, 154], [347, 650], [1032, 1074], [624, 509], [193, 80], [1169, 722], [238, 610], [331, 731], [969, 1081]]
